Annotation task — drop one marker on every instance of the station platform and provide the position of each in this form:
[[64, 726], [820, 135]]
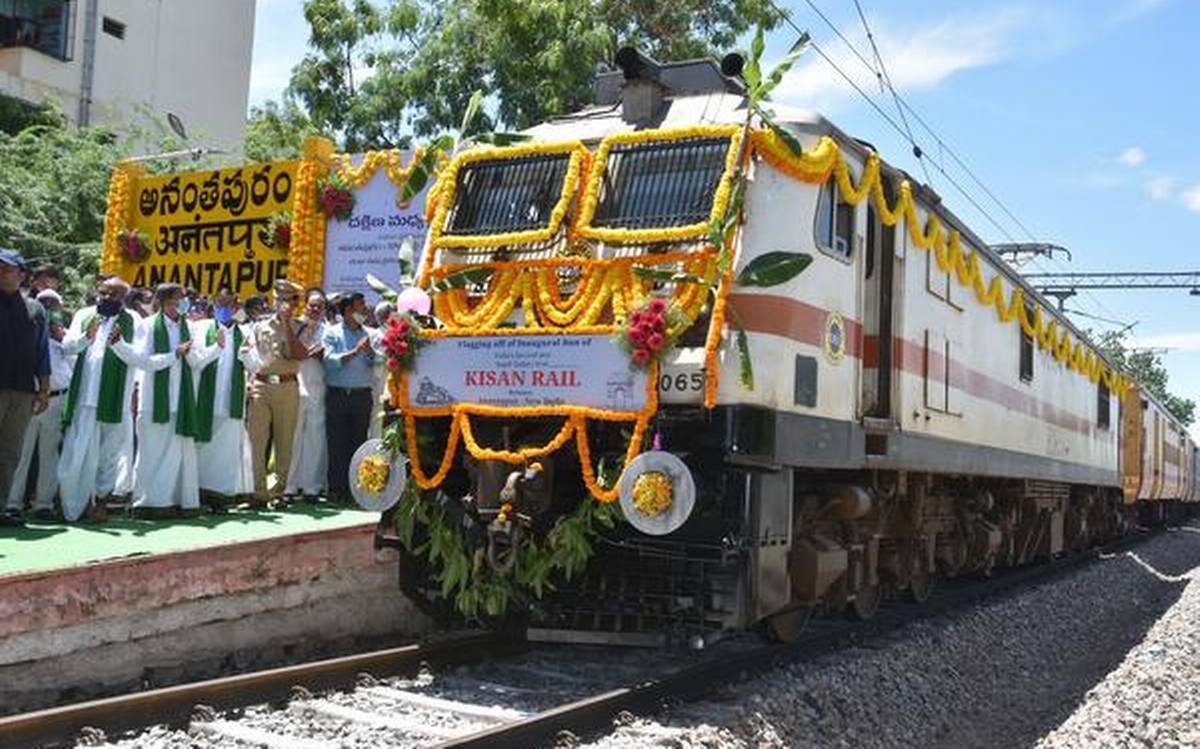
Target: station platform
[[90, 610]]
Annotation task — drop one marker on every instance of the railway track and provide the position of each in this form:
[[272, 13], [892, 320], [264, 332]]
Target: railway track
[[473, 691]]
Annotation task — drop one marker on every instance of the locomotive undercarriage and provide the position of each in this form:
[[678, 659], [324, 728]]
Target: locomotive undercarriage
[[766, 543]]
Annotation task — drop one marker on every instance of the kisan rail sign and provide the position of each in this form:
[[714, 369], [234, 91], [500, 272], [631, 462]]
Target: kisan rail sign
[[209, 229]]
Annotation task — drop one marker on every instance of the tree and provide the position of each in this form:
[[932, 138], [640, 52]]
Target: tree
[[276, 130], [1145, 366], [377, 75], [53, 194]]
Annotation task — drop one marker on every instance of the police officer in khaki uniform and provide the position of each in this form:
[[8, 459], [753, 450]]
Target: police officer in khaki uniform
[[274, 353]]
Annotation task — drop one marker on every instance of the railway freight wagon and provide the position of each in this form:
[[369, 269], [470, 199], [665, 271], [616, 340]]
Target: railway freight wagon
[[806, 382]]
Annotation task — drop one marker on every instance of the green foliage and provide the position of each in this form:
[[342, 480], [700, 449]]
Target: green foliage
[[16, 115], [1145, 366], [379, 73], [276, 131], [53, 193], [478, 590], [774, 268]]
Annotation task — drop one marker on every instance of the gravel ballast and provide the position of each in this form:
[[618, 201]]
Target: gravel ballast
[[1112, 649]]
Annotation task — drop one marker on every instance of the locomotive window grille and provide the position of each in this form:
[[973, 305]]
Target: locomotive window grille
[[835, 222], [660, 185], [1026, 348], [1103, 405], [513, 195]]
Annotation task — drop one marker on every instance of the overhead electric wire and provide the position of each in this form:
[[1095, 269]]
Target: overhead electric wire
[[906, 133], [885, 80]]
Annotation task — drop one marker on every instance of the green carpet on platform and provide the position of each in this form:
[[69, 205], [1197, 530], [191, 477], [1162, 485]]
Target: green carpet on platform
[[45, 546]]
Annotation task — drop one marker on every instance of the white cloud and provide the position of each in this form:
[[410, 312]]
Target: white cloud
[[1132, 156], [1191, 198], [918, 58], [1160, 188]]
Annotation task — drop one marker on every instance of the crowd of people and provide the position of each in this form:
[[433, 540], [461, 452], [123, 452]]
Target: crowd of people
[[171, 403]]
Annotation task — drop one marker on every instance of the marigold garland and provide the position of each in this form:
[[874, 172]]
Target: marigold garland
[[448, 181], [116, 217], [591, 195], [826, 160], [575, 426]]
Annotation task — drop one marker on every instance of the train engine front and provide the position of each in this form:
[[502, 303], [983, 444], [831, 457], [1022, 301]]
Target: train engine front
[[561, 414]]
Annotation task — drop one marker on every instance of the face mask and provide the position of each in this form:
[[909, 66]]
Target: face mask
[[359, 318], [184, 306], [108, 307], [223, 315]]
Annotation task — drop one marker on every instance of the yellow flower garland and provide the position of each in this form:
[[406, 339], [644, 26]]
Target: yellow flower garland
[[448, 181], [575, 426], [591, 195], [826, 159], [120, 199]]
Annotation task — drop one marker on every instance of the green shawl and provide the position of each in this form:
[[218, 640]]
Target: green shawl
[[206, 398], [111, 406], [185, 412]]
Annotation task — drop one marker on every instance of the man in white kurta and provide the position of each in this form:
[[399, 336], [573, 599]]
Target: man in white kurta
[[310, 457], [97, 453], [222, 443], [45, 432], [165, 472]]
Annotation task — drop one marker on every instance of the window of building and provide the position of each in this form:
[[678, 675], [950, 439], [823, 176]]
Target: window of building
[[835, 222], [1026, 348], [43, 25], [659, 185], [113, 27], [1103, 405]]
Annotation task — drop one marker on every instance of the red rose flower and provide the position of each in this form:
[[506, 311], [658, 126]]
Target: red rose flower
[[655, 341], [641, 356], [637, 336], [657, 307]]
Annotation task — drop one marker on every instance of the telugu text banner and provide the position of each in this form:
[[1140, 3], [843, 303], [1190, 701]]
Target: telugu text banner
[[208, 229]]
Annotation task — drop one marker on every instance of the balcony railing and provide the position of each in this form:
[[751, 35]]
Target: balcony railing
[[44, 25]]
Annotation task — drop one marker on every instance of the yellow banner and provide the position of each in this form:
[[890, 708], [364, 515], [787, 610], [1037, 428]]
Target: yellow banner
[[209, 229]]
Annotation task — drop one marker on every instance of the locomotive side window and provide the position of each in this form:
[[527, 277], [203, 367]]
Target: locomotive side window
[[835, 222], [653, 185], [1103, 405], [1026, 349]]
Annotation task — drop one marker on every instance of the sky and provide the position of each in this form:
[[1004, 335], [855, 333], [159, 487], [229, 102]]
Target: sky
[[1080, 116]]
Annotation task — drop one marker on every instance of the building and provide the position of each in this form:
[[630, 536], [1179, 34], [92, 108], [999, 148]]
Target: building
[[115, 62]]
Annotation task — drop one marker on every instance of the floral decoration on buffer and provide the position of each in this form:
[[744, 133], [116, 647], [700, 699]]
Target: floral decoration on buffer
[[336, 197], [373, 473]]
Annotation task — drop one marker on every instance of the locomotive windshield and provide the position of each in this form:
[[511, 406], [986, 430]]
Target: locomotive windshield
[[496, 197], [653, 185]]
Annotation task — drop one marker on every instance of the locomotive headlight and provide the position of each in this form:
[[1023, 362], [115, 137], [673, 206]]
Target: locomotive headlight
[[657, 492]]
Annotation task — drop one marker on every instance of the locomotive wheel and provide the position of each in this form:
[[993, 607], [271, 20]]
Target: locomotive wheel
[[920, 587], [866, 602], [787, 626]]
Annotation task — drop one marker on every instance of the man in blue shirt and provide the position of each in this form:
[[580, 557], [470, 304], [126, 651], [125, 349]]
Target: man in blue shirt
[[349, 370], [24, 369]]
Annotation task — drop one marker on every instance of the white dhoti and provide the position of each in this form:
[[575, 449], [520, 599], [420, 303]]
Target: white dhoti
[[227, 459], [96, 459], [165, 470], [310, 456], [44, 432]]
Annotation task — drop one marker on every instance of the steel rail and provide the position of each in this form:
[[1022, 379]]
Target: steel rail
[[175, 704], [696, 682]]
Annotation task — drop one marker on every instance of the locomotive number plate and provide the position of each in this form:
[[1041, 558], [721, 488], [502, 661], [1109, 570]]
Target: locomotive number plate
[[681, 378]]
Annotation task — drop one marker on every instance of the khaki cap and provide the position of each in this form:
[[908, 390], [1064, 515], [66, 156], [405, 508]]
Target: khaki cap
[[285, 289]]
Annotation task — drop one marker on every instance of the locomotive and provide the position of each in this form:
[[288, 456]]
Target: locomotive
[[916, 411]]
